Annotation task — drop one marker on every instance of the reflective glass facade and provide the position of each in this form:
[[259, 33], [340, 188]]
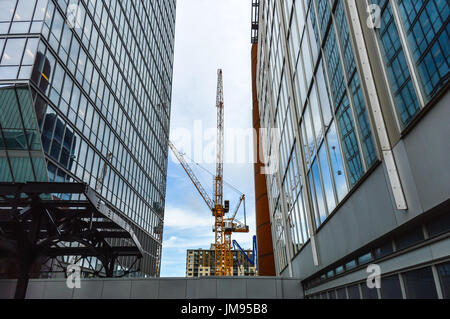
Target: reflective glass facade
[[313, 90], [93, 80]]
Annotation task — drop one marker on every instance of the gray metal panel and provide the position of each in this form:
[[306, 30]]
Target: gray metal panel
[[261, 288], [35, 289], [57, 290], [166, 288], [409, 185], [90, 289], [231, 288], [116, 289], [302, 264], [172, 288], [144, 289], [292, 289], [7, 289], [428, 148], [279, 288], [441, 249], [366, 215], [201, 289]]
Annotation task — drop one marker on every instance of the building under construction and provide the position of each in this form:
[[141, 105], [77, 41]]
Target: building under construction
[[200, 263]]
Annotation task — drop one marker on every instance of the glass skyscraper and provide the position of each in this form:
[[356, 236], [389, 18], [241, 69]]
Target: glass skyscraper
[[358, 92], [85, 95]]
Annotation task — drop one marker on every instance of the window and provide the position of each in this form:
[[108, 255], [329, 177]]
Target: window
[[410, 238], [6, 10], [316, 117], [444, 276], [337, 165], [419, 284], [383, 251], [21, 169], [319, 193], [13, 52], [310, 146], [368, 293], [390, 288], [341, 293], [324, 96], [426, 26], [327, 181], [365, 130], [350, 265], [405, 97], [365, 259], [307, 61], [439, 226], [353, 292], [345, 41], [335, 71], [350, 142]]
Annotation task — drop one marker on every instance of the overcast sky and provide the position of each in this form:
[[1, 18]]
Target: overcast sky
[[210, 34]]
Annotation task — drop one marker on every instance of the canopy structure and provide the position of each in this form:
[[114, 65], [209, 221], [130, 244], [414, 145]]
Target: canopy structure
[[53, 222]]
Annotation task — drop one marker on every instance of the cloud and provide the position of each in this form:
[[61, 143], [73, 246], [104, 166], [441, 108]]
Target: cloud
[[185, 218]]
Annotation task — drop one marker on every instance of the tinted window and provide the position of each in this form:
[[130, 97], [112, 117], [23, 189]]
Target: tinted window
[[350, 265], [341, 293], [419, 284], [353, 292], [384, 250], [439, 226], [444, 275], [410, 238], [368, 293], [390, 288], [365, 259]]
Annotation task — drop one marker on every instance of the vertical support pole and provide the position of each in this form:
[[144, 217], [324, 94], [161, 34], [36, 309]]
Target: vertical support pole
[[375, 108], [27, 253]]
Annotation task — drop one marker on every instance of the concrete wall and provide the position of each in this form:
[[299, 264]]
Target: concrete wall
[[163, 288], [423, 159]]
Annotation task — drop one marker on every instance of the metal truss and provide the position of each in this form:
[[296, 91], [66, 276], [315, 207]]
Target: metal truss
[[255, 20], [57, 224]]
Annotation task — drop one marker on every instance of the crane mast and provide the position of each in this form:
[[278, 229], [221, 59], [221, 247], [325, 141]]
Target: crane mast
[[220, 250], [220, 140]]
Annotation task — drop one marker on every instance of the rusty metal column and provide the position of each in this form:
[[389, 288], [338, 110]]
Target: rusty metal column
[[266, 262]]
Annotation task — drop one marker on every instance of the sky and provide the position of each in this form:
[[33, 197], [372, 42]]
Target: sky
[[210, 34]]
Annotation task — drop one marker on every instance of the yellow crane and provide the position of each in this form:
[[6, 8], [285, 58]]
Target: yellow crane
[[223, 227]]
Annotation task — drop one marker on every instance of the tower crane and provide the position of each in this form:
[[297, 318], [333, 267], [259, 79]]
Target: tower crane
[[223, 227]]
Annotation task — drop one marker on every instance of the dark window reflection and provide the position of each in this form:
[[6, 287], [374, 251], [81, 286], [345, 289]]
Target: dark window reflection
[[390, 288], [419, 284], [341, 293], [444, 276], [353, 292], [410, 238], [368, 293], [58, 140]]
